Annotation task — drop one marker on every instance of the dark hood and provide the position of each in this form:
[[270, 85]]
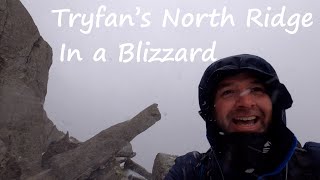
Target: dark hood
[[281, 98], [268, 152]]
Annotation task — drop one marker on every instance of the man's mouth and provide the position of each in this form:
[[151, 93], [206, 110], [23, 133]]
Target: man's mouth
[[245, 121]]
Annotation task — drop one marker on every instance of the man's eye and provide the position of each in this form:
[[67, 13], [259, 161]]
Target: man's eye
[[259, 90], [227, 93]]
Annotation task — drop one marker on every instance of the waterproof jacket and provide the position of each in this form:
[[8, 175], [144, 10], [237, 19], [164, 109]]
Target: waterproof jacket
[[281, 159], [304, 164]]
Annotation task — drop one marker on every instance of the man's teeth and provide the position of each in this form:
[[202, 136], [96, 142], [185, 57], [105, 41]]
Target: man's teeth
[[246, 118]]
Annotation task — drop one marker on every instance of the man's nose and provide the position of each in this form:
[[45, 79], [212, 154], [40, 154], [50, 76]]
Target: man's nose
[[245, 99]]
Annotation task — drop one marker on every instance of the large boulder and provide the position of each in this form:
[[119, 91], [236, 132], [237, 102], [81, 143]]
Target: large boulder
[[98, 157], [9, 168], [162, 164], [25, 59], [131, 165]]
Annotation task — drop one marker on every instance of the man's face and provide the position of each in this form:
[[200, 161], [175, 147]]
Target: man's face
[[241, 104]]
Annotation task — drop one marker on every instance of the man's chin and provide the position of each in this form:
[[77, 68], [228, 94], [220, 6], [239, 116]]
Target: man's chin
[[240, 132], [244, 137]]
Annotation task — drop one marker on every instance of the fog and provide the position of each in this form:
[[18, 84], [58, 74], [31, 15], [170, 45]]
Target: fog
[[85, 97]]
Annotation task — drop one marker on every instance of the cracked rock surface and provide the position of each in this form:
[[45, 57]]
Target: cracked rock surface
[[25, 59], [161, 165]]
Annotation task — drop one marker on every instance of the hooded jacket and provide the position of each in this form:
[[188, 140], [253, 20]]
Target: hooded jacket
[[275, 154]]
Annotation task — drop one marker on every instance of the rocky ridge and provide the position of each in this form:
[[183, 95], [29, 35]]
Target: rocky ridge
[[26, 131]]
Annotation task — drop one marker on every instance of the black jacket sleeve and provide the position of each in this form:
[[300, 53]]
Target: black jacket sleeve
[[313, 149], [185, 167]]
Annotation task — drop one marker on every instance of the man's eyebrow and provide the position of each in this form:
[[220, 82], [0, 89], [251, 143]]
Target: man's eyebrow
[[257, 82], [226, 84], [223, 85]]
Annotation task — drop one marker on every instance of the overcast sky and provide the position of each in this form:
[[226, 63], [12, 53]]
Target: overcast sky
[[85, 97]]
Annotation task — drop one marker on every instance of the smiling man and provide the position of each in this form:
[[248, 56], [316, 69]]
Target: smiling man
[[243, 104]]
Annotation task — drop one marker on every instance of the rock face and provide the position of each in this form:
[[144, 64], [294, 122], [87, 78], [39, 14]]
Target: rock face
[[57, 147], [31, 147], [9, 169], [25, 59], [161, 165], [97, 152], [131, 165]]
